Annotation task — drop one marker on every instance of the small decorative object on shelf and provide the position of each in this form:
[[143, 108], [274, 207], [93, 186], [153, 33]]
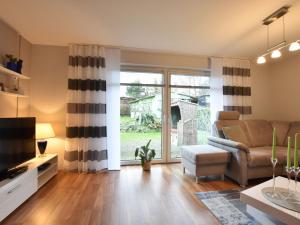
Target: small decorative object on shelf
[[43, 131], [14, 63], [146, 155]]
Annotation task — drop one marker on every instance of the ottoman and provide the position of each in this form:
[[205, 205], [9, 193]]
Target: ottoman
[[204, 160]]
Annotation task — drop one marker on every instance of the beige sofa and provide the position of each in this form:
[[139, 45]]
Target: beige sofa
[[252, 159]]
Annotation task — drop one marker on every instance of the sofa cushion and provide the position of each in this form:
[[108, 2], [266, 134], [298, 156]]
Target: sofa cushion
[[294, 128], [204, 154], [219, 124], [228, 115], [282, 129], [261, 156], [260, 132], [235, 133]]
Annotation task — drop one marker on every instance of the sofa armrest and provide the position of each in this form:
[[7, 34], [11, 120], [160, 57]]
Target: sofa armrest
[[238, 167], [229, 143]]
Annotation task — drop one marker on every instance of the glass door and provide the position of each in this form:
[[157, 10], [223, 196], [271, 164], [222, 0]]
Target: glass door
[[189, 110], [141, 112]]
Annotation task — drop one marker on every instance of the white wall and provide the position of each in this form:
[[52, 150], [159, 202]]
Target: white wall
[[285, 88], [164, 59], [48, 92], [261, 95]]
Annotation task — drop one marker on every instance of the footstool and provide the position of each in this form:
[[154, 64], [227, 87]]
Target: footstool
[[204, 160]]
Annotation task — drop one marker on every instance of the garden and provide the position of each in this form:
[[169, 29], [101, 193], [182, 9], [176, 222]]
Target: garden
[[137, 131]]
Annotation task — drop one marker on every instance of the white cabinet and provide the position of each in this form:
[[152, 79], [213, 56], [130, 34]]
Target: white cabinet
[[17, 191], [13, 192]]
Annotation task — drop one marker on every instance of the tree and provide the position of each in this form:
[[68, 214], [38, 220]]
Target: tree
[[135, 91]]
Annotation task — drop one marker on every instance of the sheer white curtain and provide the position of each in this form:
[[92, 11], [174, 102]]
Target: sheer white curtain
[[216, 88], [112, 72]]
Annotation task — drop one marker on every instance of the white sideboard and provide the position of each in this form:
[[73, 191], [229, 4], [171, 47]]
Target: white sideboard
[[13, 192]]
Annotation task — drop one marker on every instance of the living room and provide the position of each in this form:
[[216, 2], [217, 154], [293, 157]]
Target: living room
[[96, 80]]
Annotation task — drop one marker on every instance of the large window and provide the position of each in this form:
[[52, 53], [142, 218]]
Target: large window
[[170, 108]]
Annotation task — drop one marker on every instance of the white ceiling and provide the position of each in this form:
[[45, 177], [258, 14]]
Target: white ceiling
[[201, 27]]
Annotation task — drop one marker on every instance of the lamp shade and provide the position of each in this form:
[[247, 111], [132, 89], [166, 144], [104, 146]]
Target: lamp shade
[[44, 131]]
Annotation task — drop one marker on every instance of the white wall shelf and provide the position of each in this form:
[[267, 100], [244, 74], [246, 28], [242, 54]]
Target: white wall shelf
[[13, 94], [13, 73]]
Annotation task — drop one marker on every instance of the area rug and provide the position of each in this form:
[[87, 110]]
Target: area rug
[[227, 207]]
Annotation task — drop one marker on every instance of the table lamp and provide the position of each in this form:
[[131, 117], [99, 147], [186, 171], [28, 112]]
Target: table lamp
[[43, 132]]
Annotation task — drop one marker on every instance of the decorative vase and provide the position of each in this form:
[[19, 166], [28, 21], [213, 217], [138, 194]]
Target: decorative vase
[[147, 166], [12, 66]]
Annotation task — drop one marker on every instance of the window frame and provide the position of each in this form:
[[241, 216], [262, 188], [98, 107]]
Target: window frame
[[166, 86]]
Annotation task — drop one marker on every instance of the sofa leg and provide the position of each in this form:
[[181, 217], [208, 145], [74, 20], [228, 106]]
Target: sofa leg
[[197, 180]]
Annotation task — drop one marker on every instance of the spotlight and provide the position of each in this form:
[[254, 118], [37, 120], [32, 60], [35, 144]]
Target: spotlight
[[261, 60], [294, 46], [275, 54]]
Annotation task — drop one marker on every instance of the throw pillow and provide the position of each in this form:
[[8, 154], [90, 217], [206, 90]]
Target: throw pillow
[[235, 133]]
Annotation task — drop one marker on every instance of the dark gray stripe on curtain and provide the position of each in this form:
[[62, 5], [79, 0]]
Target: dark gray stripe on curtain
[[92, 155], [245, 110], [85, 61], [236, 90], [235, 71], [86, 132], [84, 85], [83, 108]]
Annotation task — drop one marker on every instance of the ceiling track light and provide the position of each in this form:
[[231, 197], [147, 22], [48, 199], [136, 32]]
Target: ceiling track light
[[261, 60], [275, 54], [275, 50], [295, 46]]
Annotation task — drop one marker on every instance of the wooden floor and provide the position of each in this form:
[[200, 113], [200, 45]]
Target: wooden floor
[[128, 197]]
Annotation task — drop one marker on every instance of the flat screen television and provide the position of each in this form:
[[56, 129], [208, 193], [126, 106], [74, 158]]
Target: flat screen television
[[17, 142]]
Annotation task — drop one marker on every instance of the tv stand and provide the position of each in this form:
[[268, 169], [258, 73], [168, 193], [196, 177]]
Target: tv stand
[[28, 179], [12, 173]]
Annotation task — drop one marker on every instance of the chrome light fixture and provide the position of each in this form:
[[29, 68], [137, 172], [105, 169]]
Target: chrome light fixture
[[275, 51]]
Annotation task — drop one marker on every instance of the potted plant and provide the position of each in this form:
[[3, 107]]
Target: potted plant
[[146, 155]]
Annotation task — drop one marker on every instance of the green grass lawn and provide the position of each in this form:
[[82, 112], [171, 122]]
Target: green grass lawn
[[131, 136], [131, 140], [126, 119]]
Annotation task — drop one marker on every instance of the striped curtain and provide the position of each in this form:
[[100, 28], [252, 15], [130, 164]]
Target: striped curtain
[[86, 110], [237, 86]]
